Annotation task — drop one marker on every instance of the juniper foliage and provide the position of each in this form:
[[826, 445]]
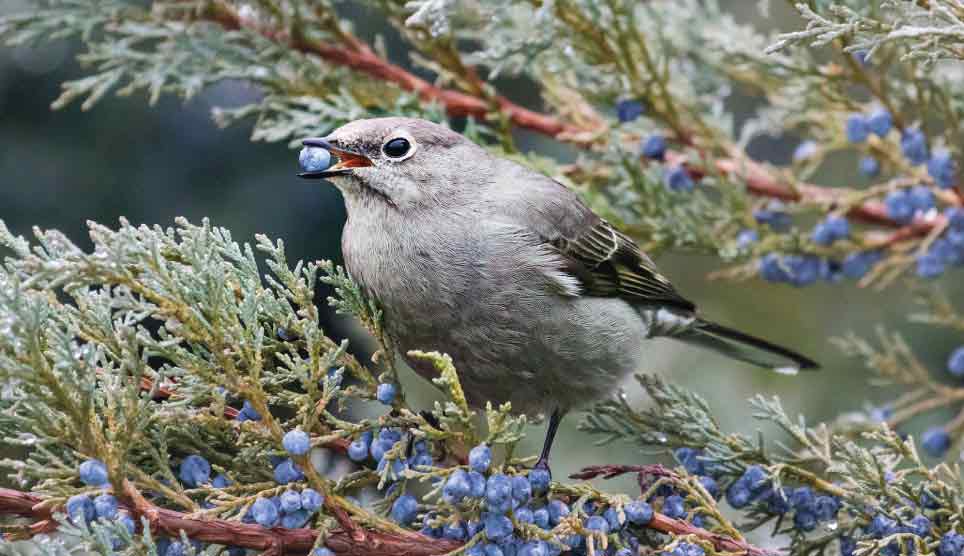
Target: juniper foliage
[[165, 343]]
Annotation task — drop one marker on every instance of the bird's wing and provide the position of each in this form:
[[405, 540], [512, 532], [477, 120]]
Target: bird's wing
[[610, 264], [606, 262]]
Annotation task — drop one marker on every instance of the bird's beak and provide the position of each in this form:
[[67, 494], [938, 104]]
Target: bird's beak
[[346, 160]]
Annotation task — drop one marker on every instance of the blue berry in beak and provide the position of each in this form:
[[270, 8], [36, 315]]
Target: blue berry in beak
[[314, 159]]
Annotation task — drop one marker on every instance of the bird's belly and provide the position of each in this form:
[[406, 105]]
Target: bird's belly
[[538, 355]]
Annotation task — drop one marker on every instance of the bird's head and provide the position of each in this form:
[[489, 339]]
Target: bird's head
[[399, 161]]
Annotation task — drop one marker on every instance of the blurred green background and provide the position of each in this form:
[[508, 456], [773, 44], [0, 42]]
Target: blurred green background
[[149, 165]]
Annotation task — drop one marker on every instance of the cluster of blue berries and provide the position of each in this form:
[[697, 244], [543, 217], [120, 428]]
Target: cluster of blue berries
[[676, 177], [947, 250], [85, 509], [376, 446], [507, 502], [881, 526], [806, 269], [755, 487], [292, 509]]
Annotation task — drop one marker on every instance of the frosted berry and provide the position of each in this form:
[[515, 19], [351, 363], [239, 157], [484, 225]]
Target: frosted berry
[[539, 479], [480, 458], [290, 501], [476, 484], [941, 168], [497, 527], [314, 159], [311, 500], [105, 506], [914, 146], [93, 472], [673, 507], [287, 472], [638, 512], [628, 110], [264, 512], [654, 147], [869, 167], [899, 206], [386, 393], [296, 442], [521, 489], [935, 441], [404, 509], [678, 179], [80, 508], [955, 363], [597, 523], [856, 128], [457, 486], [879, 122], [952, 544], [559, 510], [922, 198], [194, 471]]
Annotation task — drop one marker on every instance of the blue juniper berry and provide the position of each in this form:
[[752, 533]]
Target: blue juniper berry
[[296, 442], [955, 363], [869, 166], [879, 122], [856, 128], [314, 159], [677, 178], [628, 110], [194, 471], [941, 168], [93, 472], [935, 441], [654, 147], [386, 393], [480, 458], [311, 500], [913, 144]]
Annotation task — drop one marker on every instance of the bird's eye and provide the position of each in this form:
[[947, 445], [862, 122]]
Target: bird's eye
[[397, 148]]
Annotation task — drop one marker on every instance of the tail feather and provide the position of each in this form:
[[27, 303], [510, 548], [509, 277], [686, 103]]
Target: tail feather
[[744, 347]]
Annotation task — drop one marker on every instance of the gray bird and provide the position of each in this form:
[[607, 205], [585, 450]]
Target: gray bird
[[539, 301]]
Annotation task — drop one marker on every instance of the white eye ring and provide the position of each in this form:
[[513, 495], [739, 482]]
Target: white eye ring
[[394, 137]]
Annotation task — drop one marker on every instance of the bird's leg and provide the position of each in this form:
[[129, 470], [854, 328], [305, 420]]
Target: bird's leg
[[554, 421]]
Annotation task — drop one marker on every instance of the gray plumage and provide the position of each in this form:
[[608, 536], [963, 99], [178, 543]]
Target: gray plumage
[[538, 300]]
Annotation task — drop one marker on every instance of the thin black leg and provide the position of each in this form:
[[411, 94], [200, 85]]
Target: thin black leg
[[554, 421]]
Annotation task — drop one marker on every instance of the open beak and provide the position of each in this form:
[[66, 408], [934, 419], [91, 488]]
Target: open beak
[[346, 160]]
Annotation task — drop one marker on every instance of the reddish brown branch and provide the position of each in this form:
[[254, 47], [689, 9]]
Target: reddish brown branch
[[278, 540], [357, 56], [722, 543], [365, 61], [233, 533], [662, 522]]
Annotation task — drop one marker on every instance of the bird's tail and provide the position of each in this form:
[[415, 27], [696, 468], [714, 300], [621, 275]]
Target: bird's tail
[[737, 345]]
